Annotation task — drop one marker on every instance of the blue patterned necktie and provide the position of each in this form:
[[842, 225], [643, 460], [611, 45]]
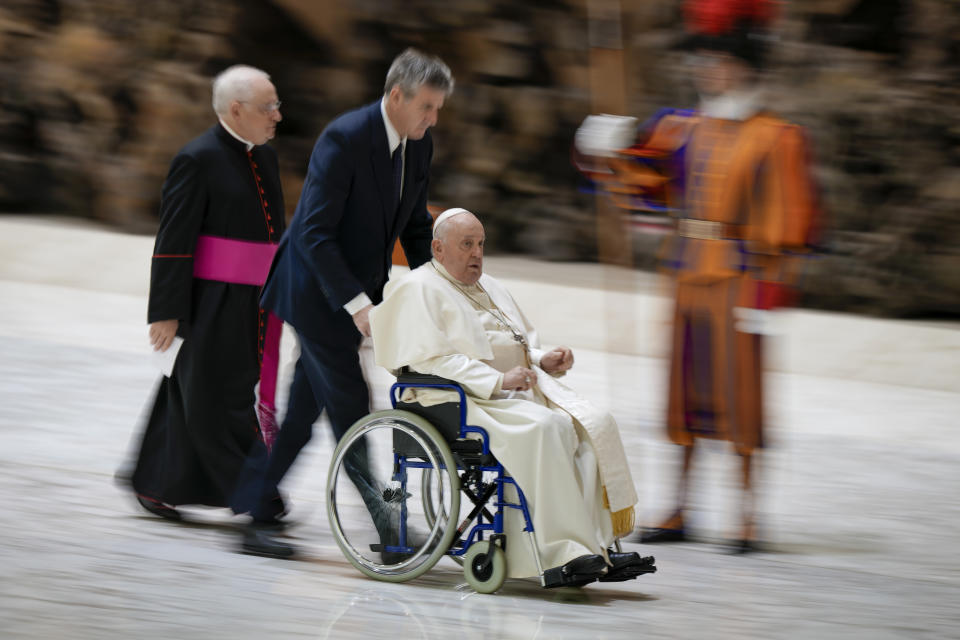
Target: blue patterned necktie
[[397, 175]]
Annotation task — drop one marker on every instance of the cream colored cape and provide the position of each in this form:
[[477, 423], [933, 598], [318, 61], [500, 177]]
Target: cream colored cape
[[423, 316]]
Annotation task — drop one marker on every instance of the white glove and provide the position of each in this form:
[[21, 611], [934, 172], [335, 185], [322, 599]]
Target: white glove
[[604, 135]]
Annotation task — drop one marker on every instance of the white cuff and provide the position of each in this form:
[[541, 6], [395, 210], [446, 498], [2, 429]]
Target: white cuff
[[536, 355], [357, 303]]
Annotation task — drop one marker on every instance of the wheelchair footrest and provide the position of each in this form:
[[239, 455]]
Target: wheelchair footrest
[[630, 572]]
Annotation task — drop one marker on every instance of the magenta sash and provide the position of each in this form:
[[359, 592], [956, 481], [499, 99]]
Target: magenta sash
[[235, 261], [246, 262]]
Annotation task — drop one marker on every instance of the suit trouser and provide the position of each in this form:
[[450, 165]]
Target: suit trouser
[[326, 376]]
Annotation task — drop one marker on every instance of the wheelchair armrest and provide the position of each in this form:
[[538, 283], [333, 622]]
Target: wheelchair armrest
[[450, 426], [407, 377]]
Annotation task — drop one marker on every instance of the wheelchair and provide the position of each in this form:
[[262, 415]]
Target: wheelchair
[[395, 485]]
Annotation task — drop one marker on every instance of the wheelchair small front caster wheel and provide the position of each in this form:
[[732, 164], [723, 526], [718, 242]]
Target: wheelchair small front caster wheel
[[485, 566]]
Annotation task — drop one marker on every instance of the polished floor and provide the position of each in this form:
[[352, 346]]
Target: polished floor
[[859, 506]]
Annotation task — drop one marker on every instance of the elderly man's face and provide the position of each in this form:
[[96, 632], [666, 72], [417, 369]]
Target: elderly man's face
[[461, 249], [256, 119], [413, 116]]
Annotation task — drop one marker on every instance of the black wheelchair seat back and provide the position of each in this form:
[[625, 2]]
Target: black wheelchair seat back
[[446, 417]]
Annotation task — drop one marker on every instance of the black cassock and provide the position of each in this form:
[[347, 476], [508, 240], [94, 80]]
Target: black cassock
[[203, 423]]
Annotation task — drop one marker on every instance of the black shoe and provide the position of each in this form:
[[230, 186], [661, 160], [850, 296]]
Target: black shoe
[[269, 515], [657, 535], [391, 539], [386, 519], [627, 566], [277, 508], [158, 508], [618, 559], [257, 542], [576, 573]]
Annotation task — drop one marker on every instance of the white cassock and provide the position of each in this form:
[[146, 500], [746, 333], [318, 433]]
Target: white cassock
[[565, 454]]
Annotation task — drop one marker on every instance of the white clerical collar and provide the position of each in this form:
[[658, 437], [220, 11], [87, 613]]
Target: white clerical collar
[[393, 138], [249, 144], [733, 105], [442, 270]]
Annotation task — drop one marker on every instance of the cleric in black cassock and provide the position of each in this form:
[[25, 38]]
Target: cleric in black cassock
[[223, 187]]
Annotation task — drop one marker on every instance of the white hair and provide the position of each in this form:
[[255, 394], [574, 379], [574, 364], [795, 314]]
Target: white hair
[[235, 83]]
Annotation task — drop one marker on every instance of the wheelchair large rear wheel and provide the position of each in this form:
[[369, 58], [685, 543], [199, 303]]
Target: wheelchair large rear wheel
[[383, 472]]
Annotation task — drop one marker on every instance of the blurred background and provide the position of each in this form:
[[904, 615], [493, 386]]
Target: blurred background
[[96, 96]]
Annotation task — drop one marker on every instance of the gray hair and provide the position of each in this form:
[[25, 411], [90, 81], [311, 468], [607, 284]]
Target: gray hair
[[234, 83], [412, 69]]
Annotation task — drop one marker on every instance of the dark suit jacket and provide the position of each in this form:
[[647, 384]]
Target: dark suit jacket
[[341, 239]]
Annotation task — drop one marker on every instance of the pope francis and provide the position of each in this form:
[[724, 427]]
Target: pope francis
[[447, 318]]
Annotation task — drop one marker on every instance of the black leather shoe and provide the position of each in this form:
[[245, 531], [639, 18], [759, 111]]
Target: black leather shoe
[[627, 566], [257, 542], [277, 508], [158, 508], [576, 573], [618, 560], [657, 535], [386, 519]]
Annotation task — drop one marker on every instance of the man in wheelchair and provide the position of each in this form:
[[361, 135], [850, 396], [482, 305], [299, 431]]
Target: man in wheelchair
[[446, 318]]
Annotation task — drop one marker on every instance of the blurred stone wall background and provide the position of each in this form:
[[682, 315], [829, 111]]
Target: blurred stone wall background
[[96, 96]]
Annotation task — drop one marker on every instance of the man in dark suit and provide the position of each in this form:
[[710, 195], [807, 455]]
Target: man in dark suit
[[366, 186], [221, 216]]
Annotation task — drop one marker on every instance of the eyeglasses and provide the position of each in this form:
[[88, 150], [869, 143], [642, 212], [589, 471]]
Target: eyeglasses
[[265, 108]]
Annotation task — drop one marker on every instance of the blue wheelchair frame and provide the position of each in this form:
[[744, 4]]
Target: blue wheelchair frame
[[461, 545]]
